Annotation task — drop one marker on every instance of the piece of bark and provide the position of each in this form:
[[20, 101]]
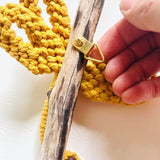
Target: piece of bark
[[63, 96]]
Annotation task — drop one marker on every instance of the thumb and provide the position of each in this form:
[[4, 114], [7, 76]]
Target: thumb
[[144, 14]]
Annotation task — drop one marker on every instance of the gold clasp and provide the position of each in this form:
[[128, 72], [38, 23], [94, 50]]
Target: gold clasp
[[84, 46]]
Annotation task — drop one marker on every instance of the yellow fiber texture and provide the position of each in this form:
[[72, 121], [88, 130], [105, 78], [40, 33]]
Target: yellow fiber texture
[[45, 52], [71, 155], [47, 48]]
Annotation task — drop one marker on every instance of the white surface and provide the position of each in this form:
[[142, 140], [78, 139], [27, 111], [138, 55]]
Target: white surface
[[99, 131]]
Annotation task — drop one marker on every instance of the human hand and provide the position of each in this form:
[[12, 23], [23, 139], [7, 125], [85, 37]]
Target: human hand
[[132, 49]]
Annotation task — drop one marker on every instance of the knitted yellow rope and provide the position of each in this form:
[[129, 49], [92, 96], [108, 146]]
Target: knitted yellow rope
[[47, 48]]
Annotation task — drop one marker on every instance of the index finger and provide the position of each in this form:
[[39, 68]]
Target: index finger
[[117, 38]]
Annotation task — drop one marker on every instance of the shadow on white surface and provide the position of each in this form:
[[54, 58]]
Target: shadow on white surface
[[125, 132]]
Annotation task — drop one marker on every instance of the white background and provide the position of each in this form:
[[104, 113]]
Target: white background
[[99, 131]]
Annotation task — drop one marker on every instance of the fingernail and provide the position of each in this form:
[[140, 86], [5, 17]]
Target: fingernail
[[127, 4]]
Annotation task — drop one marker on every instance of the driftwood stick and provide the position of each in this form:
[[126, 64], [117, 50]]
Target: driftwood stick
[[63, 96]]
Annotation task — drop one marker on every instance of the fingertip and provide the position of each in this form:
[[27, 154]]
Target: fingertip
[[141, 92], [118, 86], [115, 67], [127, 4], [142, 14], [130, 97], [110, 72]]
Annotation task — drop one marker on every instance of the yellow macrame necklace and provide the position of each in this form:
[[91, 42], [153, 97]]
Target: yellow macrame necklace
[[45, 52]]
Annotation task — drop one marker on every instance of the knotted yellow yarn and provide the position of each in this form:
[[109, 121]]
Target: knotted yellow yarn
[[70, 155], [47, 48]]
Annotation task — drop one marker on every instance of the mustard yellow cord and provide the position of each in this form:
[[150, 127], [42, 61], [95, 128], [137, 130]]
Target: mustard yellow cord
[[45, 52], [71, 155]]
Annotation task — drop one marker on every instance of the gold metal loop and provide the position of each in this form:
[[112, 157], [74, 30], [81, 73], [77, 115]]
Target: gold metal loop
[[84, 46]]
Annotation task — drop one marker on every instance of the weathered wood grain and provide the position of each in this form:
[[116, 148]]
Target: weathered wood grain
[[63, 96]]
